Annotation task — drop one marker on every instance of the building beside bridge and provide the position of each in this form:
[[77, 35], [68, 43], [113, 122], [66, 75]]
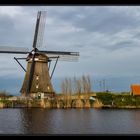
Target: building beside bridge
[[135, 89]]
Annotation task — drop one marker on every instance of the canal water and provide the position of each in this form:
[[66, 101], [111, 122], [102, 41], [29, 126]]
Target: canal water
[[69, 121]]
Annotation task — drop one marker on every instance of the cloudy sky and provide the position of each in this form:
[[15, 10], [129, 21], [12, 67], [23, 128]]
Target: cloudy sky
[[107, 37]]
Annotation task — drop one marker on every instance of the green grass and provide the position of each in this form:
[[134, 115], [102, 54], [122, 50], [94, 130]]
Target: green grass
[[122, 99]]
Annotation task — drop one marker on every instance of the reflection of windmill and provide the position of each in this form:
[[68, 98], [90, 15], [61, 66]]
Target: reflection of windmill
[[37, 79]]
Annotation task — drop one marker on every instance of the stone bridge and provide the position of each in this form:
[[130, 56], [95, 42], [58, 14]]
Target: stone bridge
[[60, 101]]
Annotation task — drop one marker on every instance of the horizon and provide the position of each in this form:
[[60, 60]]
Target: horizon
[[113, 84]]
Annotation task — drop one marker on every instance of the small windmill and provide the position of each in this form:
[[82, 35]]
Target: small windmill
[[37, 80]]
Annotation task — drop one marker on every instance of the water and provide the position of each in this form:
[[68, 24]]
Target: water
[[69, 121]]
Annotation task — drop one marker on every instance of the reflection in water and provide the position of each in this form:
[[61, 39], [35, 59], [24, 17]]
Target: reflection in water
[[10, 121], [44, 121], [69, 121], [36, 121], [135, 116]]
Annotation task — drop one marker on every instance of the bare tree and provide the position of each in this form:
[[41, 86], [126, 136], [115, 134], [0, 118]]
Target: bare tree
[[86, 85], [63, 90], [78, 86], [63, 87], [69, 90], [66, 87], [70, 86]]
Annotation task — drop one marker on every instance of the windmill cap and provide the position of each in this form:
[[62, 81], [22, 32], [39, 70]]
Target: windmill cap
[[38, 57]]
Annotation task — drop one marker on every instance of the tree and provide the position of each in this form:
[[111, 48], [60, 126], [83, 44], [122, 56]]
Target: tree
[[86, 85], [78, 86], [66, 87]]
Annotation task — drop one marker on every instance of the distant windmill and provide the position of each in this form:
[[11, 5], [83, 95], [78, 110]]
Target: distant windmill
[[37, 80]]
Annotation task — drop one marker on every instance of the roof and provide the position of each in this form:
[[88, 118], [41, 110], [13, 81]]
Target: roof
[[135, 89]]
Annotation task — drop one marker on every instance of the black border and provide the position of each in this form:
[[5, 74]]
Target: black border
[[69, 2]]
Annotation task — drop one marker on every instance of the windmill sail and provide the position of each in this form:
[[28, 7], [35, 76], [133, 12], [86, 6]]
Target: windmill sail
[[14, 50], [68, 58], [37, 78], [63, 56], [39, 30]]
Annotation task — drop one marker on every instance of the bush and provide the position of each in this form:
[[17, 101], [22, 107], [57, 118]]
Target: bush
[[4, 94], [118, 99], [105, 97]]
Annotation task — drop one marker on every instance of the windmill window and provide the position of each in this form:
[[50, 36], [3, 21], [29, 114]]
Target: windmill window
[[36, 59], [37, 77], [37, 86], [48, 87]]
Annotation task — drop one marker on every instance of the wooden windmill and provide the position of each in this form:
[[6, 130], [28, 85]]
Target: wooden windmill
[[37, 81]]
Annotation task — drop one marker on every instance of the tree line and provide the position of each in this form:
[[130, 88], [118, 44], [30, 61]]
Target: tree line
[[82, 85]]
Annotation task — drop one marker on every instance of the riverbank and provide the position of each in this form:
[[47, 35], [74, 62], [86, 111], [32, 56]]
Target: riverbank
[[111, 100], [43, 103], [98, 100]]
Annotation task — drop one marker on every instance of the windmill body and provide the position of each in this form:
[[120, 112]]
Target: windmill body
[[37, 80], [41, 83]]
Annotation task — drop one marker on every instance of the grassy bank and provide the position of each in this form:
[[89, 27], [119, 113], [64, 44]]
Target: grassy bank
[[101, 100], [125, 100]]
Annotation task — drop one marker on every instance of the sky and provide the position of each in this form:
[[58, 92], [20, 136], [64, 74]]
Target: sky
[[107, 38]]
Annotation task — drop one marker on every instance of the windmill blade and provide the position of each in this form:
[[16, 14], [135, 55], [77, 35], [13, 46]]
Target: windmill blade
[[64, 58], [29, 83], [14, 50], [39, 30], [59, 53]]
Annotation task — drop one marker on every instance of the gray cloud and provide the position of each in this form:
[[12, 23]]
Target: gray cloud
[[100, 19], [106, 37]]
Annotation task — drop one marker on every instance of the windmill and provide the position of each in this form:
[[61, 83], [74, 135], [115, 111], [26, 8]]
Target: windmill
[[37, 80]]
